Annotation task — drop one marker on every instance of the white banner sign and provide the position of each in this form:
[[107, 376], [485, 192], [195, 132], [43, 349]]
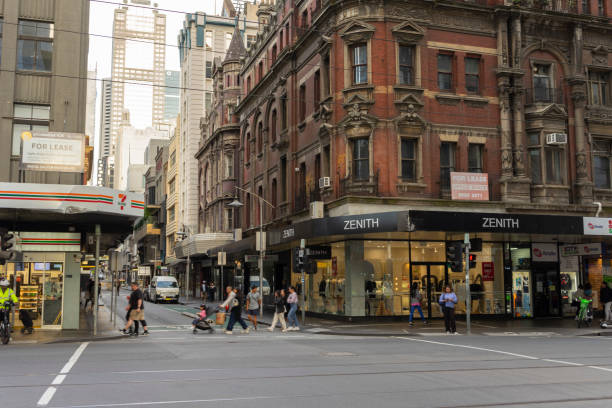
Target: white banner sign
[[581, 249], [53, 151], [544, 252], [597, 226], [144, 271]]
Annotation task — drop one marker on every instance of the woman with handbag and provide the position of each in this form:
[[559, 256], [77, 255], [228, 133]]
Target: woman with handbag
[[279, 311], [448, 300]]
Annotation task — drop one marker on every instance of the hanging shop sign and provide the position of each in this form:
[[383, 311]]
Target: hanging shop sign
[[469, 186], [494, 222], [593, 248], [544, 252], [597, 226], [48, 242]]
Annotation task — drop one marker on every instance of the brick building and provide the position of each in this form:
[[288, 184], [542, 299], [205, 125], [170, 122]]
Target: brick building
[[364, 109]]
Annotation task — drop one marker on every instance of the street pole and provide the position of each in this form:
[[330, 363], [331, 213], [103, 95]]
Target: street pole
[[261, 256], [468, 297], [302, 296], [112, 288], [187, 276], [95, 327]]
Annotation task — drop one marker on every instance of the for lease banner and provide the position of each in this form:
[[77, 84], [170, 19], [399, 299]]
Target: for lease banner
[[53, 151]]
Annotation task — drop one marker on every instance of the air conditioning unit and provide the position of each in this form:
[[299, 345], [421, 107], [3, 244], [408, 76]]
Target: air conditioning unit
[[317, 209], [324, 182], [556, 138]]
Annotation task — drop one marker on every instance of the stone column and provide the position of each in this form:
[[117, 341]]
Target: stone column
[[503, 85], [583, 185]]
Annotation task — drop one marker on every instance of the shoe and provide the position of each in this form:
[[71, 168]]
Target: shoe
[[296, 329], [134, 334], [123, 331], [284, 330], [246, 331], [448, 332], [410, 324], [455, 333], [228, 332], [195, 331], [425, 322], [255, 328], [145, 333], [270, 329]]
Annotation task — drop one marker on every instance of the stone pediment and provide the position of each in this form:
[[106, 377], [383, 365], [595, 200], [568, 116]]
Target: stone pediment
[[357, 30], [408, 100], [408, 32], [600, 55], [357, 99], [551, 111]]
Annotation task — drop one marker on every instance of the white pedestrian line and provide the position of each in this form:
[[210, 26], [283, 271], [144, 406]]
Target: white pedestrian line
[[507, 353], [59, 379], [130, 404]]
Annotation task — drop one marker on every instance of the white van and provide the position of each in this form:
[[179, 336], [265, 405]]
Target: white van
[[162, 289], [254, 281]]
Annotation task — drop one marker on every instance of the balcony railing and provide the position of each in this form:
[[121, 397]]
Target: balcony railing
[[559, 6], [544, 95], [351, 185]]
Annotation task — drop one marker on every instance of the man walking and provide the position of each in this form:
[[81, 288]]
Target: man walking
[[605, 298], [135, 311], [253, 305]]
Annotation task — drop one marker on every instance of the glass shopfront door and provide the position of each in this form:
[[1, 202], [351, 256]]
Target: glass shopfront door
[[431, 278], [546, 292]]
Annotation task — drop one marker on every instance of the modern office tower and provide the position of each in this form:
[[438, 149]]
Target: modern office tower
[[104, 139]]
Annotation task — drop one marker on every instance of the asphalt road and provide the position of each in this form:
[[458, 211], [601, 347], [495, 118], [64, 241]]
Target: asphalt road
[[161, 316], [179, 369]]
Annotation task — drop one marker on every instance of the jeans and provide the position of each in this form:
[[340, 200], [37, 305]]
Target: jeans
[[449, 319], [413, 308], [278, 316], [291, 317], [235, 318]]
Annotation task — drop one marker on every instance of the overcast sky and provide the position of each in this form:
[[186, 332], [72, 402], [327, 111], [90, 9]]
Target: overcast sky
[[100, 48]]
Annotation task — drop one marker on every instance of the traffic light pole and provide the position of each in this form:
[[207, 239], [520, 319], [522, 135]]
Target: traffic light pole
[[468, 297], [303, 291]]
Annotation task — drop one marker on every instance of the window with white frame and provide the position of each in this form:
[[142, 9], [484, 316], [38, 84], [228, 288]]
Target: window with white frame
[[406, 64], [359, 63], [28, 118], [209, 39], [229, 165], [602, 155], [546, 162], [599, 88]]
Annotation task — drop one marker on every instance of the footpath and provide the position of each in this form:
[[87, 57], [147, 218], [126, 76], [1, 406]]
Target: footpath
[[435, 327]]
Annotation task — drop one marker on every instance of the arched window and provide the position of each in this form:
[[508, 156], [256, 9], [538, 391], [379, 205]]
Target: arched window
[[273, 126], [247, 148], [259, 137]]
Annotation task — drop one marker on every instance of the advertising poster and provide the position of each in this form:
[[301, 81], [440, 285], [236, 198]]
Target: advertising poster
[[53, 151]]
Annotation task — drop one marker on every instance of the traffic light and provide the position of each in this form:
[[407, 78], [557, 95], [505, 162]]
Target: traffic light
[[472, 261], [7, 243], [454, 255]]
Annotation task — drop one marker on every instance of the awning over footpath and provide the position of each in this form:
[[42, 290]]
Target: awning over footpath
[[198, 245]]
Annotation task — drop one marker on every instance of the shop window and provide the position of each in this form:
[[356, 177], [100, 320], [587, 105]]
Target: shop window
[[546, 162], [361, 159], [28, 118], [447, 163], [35, 46], [542, 89], [302, 102], [408, 157], [475, 160], [406, 64], [208, 69], [445, 72], [599, 88], [472, 74], [359, 63], [602, 153]]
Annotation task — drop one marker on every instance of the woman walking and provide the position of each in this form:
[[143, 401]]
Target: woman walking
[[416, 298], [448, 300], [292, 300], [279, 311], [235, 307]]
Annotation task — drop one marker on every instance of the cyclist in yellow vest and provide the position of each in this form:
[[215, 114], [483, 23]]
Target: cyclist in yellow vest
[[6, 294]]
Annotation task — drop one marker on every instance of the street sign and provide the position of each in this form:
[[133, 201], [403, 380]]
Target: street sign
[[222, 258], [251, 258], [144, 271]]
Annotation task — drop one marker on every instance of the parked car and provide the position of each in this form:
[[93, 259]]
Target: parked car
[[162, 289]]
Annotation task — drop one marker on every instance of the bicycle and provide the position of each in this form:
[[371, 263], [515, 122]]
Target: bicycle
[[585, 315], [5, 323]]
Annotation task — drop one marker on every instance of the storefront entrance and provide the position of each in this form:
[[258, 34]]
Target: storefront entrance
[[546, 291], [431, 278]]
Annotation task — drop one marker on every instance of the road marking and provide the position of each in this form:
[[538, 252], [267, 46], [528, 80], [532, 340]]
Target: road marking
[[508, 353], [59, 379], [46, 397], [126, 404], [167, 371], [74, 358]]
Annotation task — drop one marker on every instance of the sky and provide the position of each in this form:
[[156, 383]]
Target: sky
[[100, 48]]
